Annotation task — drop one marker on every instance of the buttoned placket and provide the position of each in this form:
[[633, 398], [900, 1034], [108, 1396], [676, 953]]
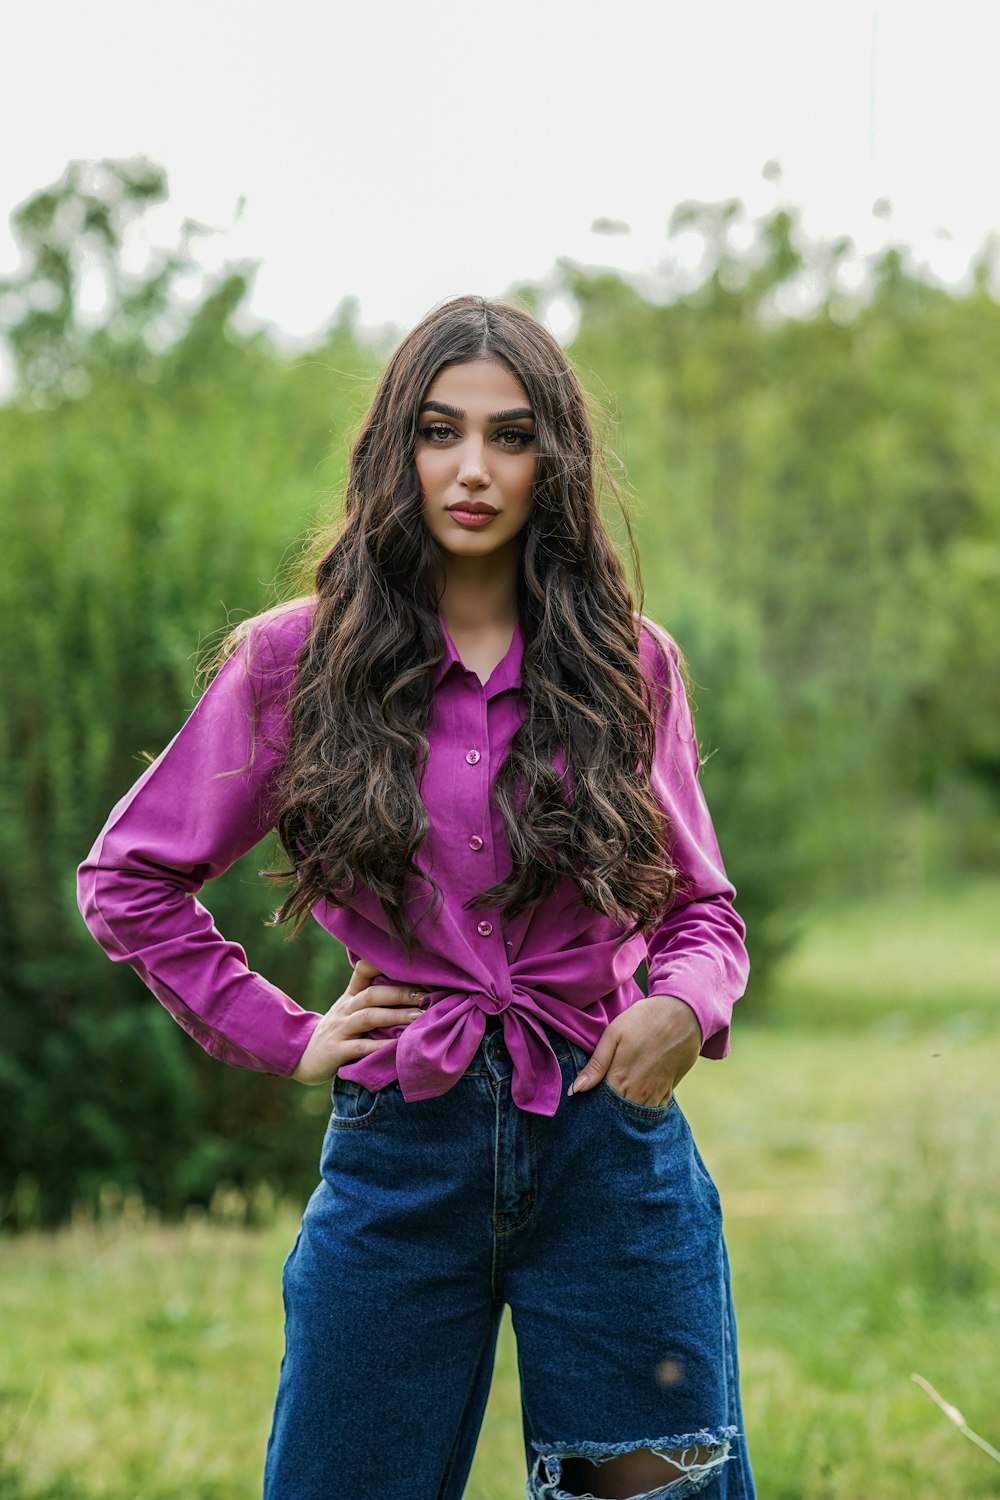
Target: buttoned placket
[[474, 751], [475, 757], [478, 756]]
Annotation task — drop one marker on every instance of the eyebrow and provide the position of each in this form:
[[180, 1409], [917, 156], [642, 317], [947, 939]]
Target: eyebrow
[[494, 416]]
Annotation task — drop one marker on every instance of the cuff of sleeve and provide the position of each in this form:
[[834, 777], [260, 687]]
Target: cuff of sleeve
[[712, 1012], [264, 1030], [268, 1024], [294, 1040]]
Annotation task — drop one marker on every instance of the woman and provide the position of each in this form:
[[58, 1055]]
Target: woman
[[481, 763]]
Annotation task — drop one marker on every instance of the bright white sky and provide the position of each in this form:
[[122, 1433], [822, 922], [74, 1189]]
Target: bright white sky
[[405, 152]]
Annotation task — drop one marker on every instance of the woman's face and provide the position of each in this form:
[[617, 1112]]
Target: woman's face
[[476, 458]]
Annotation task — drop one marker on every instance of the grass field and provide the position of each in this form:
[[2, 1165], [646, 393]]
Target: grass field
[[854, 1138]]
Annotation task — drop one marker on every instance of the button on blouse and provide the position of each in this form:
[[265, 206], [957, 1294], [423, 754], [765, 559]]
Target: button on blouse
[[210, 797]]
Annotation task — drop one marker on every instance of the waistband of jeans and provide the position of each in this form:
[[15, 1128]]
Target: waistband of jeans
[[494, 1046]]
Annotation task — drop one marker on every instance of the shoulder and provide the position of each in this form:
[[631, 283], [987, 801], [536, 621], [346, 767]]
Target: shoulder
[[665, 670], [281, 631], [660, 658], [254, 672], [268, 645]]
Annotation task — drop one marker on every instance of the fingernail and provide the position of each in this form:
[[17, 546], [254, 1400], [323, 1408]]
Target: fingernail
[[425, 1002]]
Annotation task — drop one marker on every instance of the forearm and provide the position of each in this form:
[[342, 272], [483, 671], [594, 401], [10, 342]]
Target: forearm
[[698, 955], [202, 804]]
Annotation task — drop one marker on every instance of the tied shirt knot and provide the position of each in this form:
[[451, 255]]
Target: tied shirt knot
[[429, 1055]]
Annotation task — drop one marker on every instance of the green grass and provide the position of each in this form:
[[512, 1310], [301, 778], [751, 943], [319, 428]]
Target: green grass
[[898, 964], [858, 1166]]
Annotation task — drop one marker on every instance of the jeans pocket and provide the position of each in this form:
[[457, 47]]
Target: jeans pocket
[[627, 1106], [352, 1105], [633, 1107]]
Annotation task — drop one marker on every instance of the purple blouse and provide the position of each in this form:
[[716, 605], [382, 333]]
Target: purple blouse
[[210, 797]]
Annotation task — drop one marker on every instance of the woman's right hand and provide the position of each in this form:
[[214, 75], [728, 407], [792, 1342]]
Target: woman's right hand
[[339, 1038]]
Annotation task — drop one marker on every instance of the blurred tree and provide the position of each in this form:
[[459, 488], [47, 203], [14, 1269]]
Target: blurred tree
[[149, 491], [816, 474], [78, 225]]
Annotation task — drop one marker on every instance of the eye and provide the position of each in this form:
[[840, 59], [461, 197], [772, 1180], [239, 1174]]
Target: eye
[[515, 437], [435, 432]]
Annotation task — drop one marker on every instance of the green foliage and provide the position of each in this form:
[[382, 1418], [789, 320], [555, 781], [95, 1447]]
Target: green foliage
[[138, 520], [819, 522]]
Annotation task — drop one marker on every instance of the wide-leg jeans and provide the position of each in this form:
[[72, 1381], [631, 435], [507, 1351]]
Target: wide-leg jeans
[[599, 1227]]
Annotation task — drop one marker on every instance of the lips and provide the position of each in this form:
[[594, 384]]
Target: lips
[[475, 516]]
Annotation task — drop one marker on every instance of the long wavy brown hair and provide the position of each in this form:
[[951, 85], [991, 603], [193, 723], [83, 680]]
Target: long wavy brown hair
[[350, 806]]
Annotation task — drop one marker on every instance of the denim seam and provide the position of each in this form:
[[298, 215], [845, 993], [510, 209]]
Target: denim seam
[[504, 1225]]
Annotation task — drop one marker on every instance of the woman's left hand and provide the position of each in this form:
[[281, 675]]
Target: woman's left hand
[[645, 1051]]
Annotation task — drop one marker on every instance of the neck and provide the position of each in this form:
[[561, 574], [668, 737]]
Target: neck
[[479, 593]]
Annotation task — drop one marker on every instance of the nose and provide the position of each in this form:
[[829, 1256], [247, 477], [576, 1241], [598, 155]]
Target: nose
[[472, 467]]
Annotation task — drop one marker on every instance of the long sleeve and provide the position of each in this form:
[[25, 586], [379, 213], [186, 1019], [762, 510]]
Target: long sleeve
[[203, 803], [697, 953]]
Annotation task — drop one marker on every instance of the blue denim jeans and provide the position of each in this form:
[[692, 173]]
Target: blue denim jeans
[[601, 1230]]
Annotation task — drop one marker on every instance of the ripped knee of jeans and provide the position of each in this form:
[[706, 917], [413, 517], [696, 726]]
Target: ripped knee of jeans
[[695, 1459]]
